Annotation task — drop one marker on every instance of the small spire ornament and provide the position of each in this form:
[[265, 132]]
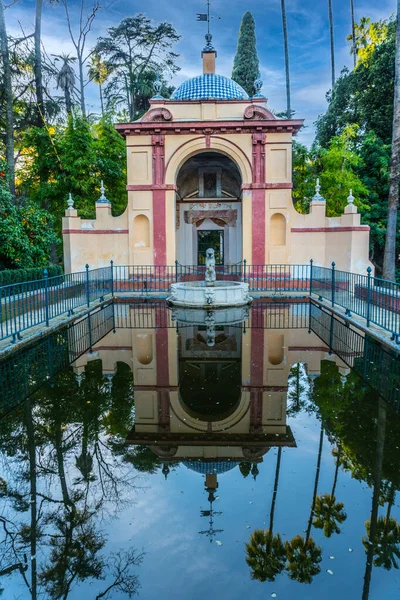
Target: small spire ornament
[[102, 199], [70, 201], [350, 198], [157, 86], [317, 196], [258, 83]]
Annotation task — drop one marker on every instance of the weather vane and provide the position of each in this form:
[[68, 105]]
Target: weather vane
[[206, 17]]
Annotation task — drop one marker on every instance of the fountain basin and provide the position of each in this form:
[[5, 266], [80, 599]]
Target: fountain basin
[[220, 294]]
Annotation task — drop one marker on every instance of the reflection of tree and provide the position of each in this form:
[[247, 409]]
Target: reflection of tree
[[298, 389], [66, 429], [266, 555], [329, 514], [303, 554]]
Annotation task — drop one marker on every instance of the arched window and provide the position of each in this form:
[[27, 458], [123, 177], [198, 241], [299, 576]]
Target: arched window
[[278, 230], [144, 348], [141, 232], [275, 349]]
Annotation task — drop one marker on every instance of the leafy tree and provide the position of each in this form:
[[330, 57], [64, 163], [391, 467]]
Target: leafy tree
[[131, 49], [364, 96], [339, 164], [246, 63], [26, 230]]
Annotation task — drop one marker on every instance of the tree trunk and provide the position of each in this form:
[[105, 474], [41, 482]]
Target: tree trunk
[[81, 86], [353, 32], [380, 446], [287, 70], [9, 133], [278, 468], [336, 471], [38, 64], [68, 101], [389, 259], [332, 42]]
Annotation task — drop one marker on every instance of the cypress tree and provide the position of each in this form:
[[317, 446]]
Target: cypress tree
[[246, 63]]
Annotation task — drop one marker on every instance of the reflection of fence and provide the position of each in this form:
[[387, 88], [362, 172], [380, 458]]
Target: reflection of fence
[[374, 362], [26, 371], [25, 305]]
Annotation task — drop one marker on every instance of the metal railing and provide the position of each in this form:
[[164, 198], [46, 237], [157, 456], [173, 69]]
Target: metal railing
[[376, 300], [24, 305]]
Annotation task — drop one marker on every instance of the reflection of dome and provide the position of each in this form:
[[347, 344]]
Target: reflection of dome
[[208, 468], [209, 86]]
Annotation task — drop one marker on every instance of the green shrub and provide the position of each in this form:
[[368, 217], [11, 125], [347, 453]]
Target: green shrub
[[10, 276]]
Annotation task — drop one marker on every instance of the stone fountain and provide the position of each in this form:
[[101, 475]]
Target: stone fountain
[[210, 293]]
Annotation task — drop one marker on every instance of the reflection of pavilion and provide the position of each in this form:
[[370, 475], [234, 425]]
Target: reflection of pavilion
[[212, 407]]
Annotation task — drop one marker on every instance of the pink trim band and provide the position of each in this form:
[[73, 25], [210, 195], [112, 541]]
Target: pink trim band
[[95, 231], [328, 229]]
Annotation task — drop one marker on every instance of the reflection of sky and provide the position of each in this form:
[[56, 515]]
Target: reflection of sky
[[309, 45], [164, 520]]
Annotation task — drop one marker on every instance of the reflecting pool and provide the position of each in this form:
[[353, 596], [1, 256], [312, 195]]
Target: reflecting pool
[[142, 452]]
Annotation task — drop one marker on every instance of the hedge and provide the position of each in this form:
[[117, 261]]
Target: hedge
[[10, 276]]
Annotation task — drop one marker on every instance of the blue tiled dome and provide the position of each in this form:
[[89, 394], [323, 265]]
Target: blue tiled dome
[[209, 87], [210, 467]]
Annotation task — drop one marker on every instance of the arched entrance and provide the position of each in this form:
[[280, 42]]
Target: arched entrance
[[209, 210]]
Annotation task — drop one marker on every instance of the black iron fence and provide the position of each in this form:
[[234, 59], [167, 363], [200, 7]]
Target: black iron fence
[[25, 305]]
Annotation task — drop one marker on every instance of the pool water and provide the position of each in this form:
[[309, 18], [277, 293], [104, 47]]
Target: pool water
[[259, 467]]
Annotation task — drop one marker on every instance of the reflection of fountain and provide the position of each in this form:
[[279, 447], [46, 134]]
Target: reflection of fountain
[[210, 292], [210, 319]]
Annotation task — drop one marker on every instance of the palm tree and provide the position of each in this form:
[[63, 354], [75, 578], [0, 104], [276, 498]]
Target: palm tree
[[332, 42], [287, 69], [389, 260], [99, 71], [329, 512], [266, 554], [303, 554], [353, 33], [66, 79]]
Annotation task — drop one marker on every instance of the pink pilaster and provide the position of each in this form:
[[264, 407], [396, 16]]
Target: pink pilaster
[[257, 367], [159, 200], [258, 199]]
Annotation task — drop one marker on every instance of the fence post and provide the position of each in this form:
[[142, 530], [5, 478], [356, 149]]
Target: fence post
[[311, 274], [368, 295], [87, 285], [244, 270], [112, 277], [333, 284], [176, 271], [46, 294]]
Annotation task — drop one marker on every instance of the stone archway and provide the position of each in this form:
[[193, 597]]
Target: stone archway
[[208, 209]]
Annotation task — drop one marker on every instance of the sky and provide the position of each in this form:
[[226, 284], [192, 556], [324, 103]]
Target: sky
[[308, 30]]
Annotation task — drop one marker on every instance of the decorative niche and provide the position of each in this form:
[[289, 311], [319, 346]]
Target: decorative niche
[[210, 182]]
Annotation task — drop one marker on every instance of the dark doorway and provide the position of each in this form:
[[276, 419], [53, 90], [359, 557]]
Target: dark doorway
[[214, 239]]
